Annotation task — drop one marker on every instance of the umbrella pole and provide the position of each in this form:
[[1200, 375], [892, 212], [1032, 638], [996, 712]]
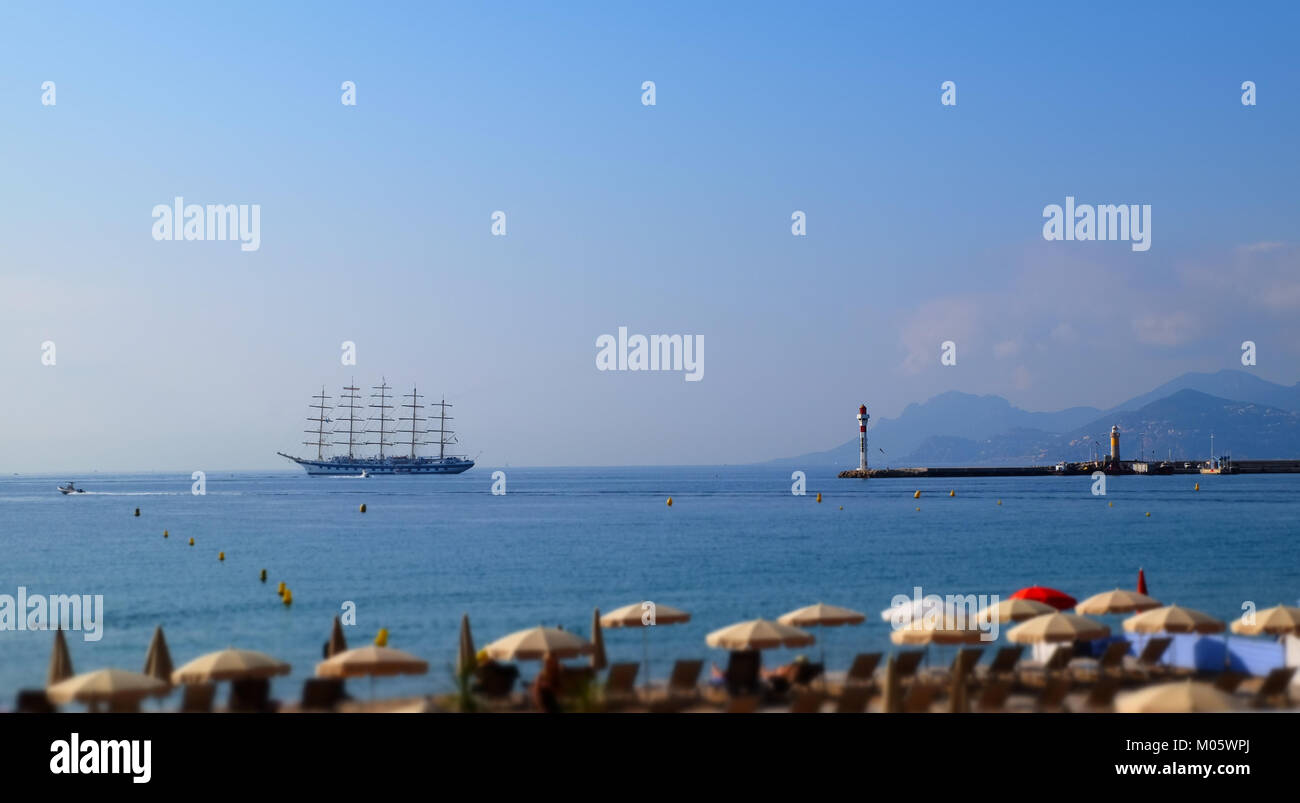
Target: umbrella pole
[[645, 656]]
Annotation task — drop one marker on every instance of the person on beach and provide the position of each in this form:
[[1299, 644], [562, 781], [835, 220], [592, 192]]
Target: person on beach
[[546, 685]]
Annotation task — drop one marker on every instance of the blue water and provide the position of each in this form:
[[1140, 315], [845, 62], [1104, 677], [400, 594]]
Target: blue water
[[735, 545]]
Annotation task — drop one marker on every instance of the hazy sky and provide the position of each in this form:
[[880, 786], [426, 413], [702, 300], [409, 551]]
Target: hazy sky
[[924, 221]]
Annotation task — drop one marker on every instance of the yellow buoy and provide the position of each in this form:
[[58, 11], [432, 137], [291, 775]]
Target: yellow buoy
[[264, 575], [221, 556], [1110, 504], [841, 507], [819, 497], [916, 495], [281, 589], [165, 534], [952, 493], [1148, 514], [137, 511], [670, 501], [999, 501], [1197, 487], [191, 542], [363, 507], [381, 638], [288, 597]]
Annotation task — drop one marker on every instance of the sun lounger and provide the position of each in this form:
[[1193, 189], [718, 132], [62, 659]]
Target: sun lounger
[[33, 701], [1228, 681], [197, 698], [1274, 688], [744, 704], [1102, 695], [742, 675], [495, 680], [685, 678], [1148, 663], [806, 673], [1053, 696], [853, 700], [964, 664], [993, 696], [808, 702], [906, 662], [252, 696], [575, 680], [322, 694], [863, 669], [620, 683], [919, 698], [1111, 662], [1038, 676], [1004, 662]]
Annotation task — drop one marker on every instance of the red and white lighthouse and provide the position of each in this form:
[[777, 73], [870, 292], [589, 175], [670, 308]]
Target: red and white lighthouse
[[862, 437]]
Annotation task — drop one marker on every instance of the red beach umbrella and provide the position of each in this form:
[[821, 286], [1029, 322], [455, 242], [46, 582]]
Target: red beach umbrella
[[1048, 596], [1142, 581]]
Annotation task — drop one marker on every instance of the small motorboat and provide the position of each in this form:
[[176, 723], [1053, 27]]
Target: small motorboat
[[364, 474], [69, 488]]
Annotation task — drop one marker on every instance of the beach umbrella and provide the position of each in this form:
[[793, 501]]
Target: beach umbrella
[[371, 661], [1142, 581], [933, 631], [598, 659], [1050, 596], [117, 687], [337, 643], [1276, 621], [1014, 610], [466, 655], [638, 615], [822, 615], [60, 660], [913, 610], [1057, 627], [1173, 619], [230, 664], [758, 634], [1117, 601], [1178, 697], [536, 643], [158, 660]]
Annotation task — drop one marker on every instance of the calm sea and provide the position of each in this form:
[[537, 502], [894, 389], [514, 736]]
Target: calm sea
[[736, 544]]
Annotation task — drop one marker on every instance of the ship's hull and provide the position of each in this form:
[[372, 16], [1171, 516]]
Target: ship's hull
[[351, 467]]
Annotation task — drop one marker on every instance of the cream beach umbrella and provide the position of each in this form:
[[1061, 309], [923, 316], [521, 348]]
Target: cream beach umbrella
[[230, 664], [822, 615], [758, 634], [158, 660], [1179, 697], [1057, 627], [1117, 601], [466, 655], [645, 615], [60, 660], [536, 643], [933, 630], [1013, 610], [372, 662], [1173, 619], [337, 642], [913, 610], [1276, 621], [117, 687]]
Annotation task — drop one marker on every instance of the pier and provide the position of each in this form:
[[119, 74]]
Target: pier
[[1076, 469]]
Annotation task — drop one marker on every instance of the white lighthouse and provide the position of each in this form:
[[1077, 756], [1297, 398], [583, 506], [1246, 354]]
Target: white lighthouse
[[862, 437]]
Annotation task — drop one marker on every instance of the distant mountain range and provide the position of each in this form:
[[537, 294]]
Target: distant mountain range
[[1251, 419]]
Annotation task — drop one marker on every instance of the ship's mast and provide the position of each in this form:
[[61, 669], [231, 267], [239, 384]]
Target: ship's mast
[[320, 420], [351, 395], [414, 417], [382, 418], [443, 432]]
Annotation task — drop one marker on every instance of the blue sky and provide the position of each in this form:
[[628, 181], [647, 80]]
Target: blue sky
[[924, 221]]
